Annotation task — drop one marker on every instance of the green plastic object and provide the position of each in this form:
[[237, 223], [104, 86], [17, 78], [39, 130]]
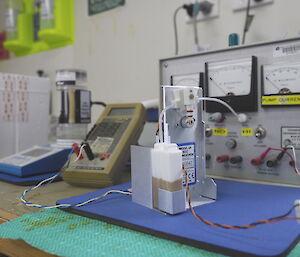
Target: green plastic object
[[65, 234], [47, 17], [57, 31], [21, 42], [12, 9]]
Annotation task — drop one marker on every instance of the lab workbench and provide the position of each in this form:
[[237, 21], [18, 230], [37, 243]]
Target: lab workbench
[[10, 196], [11, 246], [79, 231], [11, 208]]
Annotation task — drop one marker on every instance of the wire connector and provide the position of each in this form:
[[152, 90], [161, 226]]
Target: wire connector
[[242, 117], [184, 98]]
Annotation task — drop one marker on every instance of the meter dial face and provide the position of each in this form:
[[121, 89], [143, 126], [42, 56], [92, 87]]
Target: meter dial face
[[281, 79], [192, 79], [233, 81], [229, 78]]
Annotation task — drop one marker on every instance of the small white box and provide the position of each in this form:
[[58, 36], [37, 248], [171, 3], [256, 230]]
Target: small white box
[[24, 112]]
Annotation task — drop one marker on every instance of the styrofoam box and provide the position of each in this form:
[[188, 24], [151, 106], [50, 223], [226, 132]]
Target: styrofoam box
[[24, 112]]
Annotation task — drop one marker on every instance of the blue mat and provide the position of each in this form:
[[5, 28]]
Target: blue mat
[[237, 204]]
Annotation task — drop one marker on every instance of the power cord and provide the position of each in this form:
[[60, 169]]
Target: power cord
[[98, 103], [192, 11], [175, 28], [248, 21]]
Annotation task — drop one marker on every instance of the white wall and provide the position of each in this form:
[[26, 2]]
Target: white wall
[[120, 49]]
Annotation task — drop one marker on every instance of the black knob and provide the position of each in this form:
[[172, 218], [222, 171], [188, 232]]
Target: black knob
[[207, 156]]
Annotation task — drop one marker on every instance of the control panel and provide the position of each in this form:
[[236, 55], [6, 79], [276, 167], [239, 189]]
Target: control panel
[[262, 81], [105, 151]]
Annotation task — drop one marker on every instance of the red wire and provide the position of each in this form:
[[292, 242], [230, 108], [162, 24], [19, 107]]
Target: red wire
[[282, 150], [265, 152]]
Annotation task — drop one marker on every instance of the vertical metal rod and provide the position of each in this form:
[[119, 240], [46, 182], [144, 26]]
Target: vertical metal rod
[[246, 22]]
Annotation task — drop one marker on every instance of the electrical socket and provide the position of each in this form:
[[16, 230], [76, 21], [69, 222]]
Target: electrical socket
[[239, 5], [213, 14]]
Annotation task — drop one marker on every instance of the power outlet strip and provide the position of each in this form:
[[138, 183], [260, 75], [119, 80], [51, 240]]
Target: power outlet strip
[[214, 12], [239, 5]]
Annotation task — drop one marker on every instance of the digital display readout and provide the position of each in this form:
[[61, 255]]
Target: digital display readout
[[121, 111]]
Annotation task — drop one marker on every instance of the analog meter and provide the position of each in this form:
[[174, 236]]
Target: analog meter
[[281, 84], [234, 81], [193, 79]]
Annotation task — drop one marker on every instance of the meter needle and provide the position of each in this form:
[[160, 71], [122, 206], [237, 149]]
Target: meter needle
[[272, 83], [216, 84]]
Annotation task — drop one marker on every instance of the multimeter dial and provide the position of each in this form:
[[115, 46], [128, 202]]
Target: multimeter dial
[[234, 81], [281, 79]]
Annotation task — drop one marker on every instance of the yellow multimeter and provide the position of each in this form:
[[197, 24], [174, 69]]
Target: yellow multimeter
[[109, 140]]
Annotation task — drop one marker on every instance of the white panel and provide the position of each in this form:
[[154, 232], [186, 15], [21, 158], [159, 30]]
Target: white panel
[[24, 112]]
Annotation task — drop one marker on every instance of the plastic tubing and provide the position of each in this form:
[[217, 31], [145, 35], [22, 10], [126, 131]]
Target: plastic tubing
[[210, 99], [162, 113]]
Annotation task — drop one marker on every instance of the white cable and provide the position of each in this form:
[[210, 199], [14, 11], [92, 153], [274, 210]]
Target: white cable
[[24, 201], [295, 158], [102, 196], [240, 117], [160, 124], [5, 220], [78, 204]]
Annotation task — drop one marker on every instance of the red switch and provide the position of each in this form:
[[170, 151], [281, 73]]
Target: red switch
[[223, 158]]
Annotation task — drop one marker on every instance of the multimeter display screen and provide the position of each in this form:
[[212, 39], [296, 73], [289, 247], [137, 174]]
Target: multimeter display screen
[[121, 111]]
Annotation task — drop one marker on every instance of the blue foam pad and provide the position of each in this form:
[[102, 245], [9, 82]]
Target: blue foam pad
[[237, 204], [53, 162], [27, 181]]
